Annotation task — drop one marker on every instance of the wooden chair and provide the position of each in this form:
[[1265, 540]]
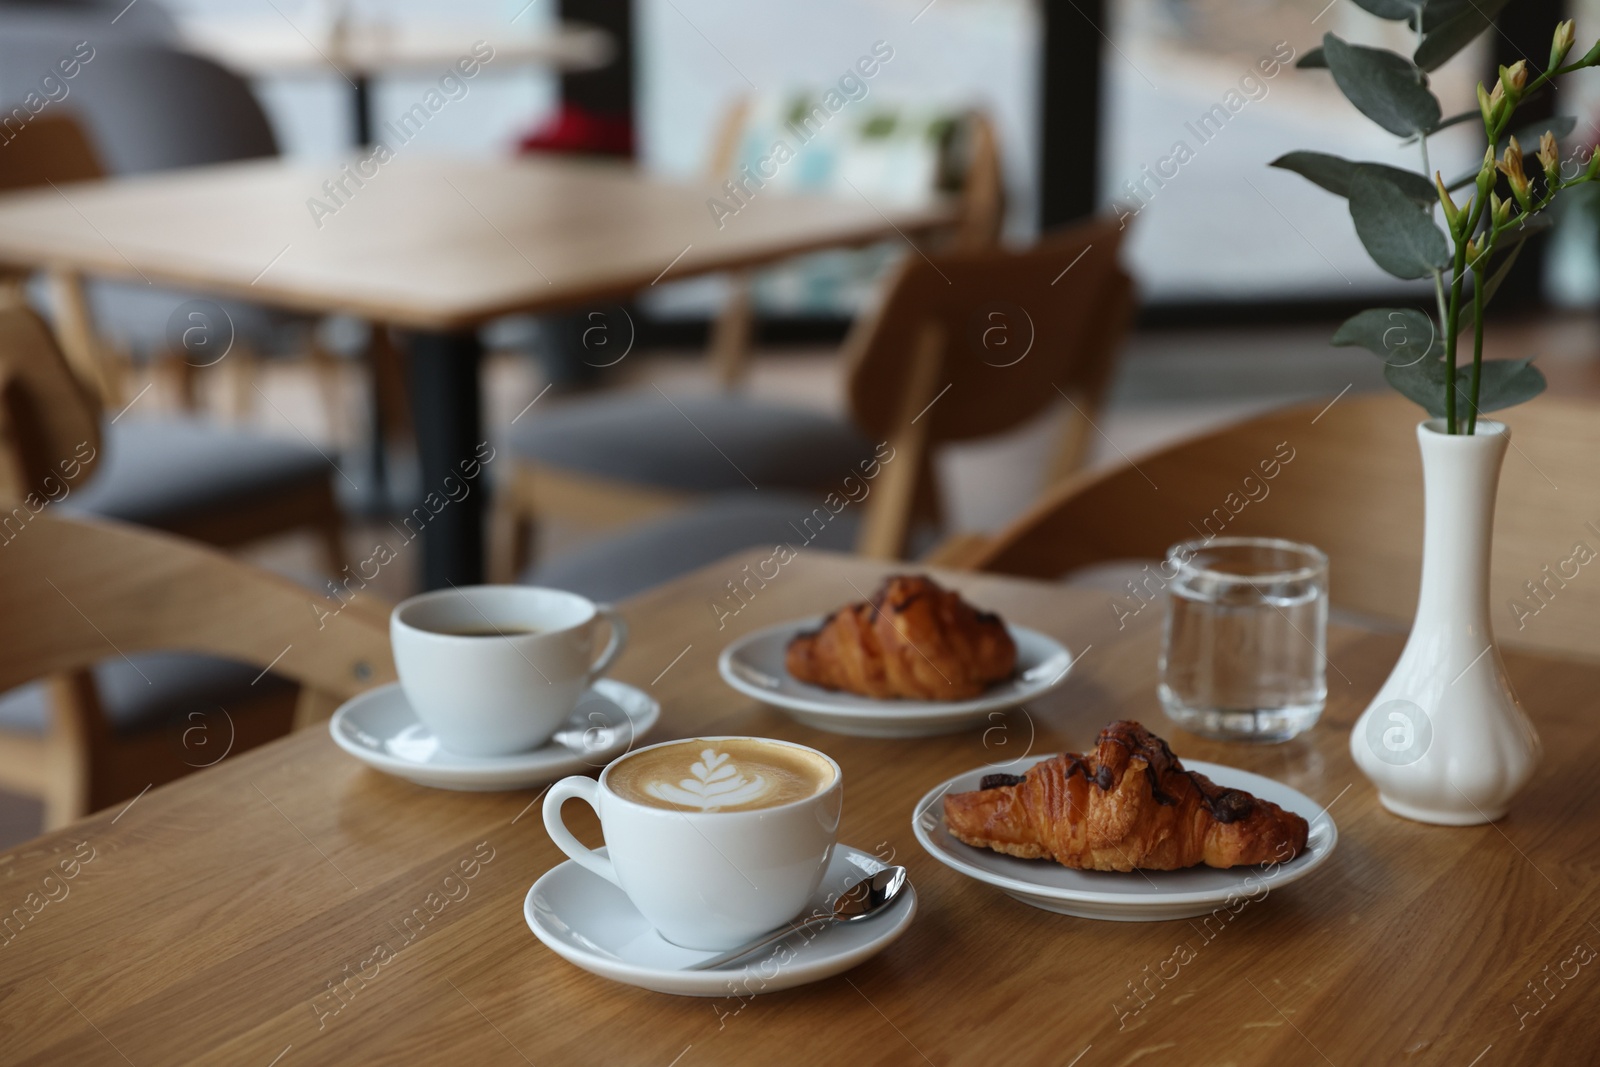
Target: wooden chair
[[535, 485], [966, 345], [73, 593], [980, 194], [1346, 478], [183, 475], [55, 457]]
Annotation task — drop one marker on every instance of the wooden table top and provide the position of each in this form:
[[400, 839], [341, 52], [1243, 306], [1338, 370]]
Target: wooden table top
[[426, 242], [207, 917]]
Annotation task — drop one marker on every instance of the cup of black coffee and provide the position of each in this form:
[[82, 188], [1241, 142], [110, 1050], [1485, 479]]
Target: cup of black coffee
[[494, 670]]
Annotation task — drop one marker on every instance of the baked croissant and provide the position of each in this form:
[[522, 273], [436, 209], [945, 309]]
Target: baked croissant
[[913, 639], [1127, 806]]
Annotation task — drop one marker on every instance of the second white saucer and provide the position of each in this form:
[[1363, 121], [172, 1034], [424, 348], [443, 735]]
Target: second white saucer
[[754, 665], [379, 728], [592, 924]]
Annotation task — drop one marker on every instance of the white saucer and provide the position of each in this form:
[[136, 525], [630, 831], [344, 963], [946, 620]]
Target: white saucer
[[380, 729], [754, 666], [1134, 896], [591, 923]]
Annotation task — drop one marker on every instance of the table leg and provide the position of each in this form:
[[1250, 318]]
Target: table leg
[[361, 100], [447, 411]]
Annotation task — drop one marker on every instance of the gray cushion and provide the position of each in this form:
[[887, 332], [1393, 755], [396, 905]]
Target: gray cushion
[[154, 471], [157, 689], [148, 320], [654, 552], [657, 551], [693, 444]]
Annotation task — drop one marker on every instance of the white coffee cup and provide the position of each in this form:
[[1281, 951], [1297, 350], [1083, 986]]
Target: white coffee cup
[[510, 685], [706, 879]]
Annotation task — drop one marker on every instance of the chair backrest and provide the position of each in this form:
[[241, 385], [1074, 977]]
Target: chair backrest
[[51, 148], [982, 185], [963, 159], [151, 107], [1008, 332], [74, 592], [1348, 479], [970, 344], [49, 419]]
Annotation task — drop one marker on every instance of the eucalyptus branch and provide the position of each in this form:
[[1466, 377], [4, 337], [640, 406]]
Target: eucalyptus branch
[[1391, 208]]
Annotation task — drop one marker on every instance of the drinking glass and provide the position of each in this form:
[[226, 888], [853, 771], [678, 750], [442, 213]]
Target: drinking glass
[[1243, 649]]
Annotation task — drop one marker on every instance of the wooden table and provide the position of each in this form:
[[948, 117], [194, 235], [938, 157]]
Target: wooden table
[[215, 912], [438, 246]]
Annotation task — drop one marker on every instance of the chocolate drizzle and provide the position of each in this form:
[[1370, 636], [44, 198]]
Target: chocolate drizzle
[[1224, 805]]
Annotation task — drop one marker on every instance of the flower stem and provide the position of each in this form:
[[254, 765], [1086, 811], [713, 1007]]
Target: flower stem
[[1454, 317], [1477, 346]]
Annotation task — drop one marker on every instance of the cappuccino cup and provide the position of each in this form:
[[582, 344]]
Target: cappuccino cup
[[494, 670], [715, 840]]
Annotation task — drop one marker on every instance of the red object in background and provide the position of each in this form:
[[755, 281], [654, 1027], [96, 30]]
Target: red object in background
[[577, 130]]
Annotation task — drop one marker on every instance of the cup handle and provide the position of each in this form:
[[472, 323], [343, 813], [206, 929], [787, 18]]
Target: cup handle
[[619, 637], [588, 791]]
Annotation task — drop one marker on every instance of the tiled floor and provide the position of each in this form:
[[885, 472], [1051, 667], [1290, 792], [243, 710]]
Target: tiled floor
[[1171, 385]]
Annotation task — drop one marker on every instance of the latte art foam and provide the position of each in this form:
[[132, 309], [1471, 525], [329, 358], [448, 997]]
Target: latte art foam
[[735, 774]]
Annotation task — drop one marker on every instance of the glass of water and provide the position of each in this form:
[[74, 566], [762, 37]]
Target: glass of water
[[1243, 651]]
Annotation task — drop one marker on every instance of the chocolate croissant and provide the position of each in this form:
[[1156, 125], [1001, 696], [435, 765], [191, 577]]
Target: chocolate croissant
[[1128, 805], [913, 639]]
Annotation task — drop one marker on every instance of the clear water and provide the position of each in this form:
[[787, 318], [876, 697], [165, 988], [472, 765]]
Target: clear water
[[1243, 661]]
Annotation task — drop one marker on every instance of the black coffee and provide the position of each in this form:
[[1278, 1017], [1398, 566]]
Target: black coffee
[[485, 630]]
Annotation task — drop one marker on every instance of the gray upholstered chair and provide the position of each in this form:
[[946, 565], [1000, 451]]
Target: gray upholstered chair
[[932, 365]]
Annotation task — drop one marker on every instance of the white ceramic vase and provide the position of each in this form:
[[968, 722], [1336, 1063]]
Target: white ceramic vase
[[1445, 740]]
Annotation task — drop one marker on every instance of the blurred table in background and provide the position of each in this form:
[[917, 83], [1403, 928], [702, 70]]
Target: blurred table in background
[[435, 246], [361, 51]]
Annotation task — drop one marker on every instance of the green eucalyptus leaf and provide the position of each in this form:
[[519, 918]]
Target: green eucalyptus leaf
[[1313, 60], [1398, 234], [1393, 10], [1455, 32], [1504, 383], [1386, 87], [1437, 12], [1334, 174], [1421, 383], [1398, 336]]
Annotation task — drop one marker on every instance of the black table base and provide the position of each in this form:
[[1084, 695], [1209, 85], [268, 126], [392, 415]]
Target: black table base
[[451, 448]]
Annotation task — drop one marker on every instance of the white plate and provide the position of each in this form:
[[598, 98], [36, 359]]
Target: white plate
[[1133, 896], [380, 729], [754, 666], [591, 923]]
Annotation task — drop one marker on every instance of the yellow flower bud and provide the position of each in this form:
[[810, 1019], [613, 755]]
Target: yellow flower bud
[[1511, 167], [1561, 43], [1549, 155], [1515, 76], [1452, 214]]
